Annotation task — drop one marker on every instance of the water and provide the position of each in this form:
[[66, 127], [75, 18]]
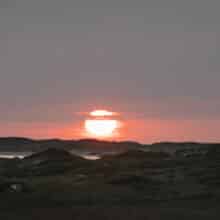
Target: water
[[86, 155], [12, 155], [21, 155], [91, 157]]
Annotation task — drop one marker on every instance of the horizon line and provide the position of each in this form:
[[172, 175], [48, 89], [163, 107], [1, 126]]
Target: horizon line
[[110, 141]]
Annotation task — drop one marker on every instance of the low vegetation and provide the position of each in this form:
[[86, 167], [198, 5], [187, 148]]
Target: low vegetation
[[136, 184]]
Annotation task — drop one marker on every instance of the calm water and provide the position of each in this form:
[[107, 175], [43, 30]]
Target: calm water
[[11, 155], [91, 157], [21, 155]]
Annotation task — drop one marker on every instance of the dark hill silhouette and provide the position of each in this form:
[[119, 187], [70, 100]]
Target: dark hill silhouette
[[15, 144], [51, 161], [143, 154], [91, 146], [184, 183], [86, 145], [52, 154], [55, 156]]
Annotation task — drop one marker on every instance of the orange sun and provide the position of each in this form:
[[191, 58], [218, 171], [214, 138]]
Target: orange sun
[[99, 125]]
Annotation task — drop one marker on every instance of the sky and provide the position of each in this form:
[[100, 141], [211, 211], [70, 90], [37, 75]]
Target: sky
[[154, 62]]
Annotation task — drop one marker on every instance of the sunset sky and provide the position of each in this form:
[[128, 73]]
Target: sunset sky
[[154, 63]]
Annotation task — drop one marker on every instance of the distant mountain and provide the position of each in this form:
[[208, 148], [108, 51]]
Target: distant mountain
[[91, 146], [182, 147], [14, 144], [76, 146]]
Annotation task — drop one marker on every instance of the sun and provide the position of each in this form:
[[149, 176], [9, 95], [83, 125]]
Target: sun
[[101, 127], [101, 124]]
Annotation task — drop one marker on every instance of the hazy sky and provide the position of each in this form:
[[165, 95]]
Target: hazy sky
[[155, 62]]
